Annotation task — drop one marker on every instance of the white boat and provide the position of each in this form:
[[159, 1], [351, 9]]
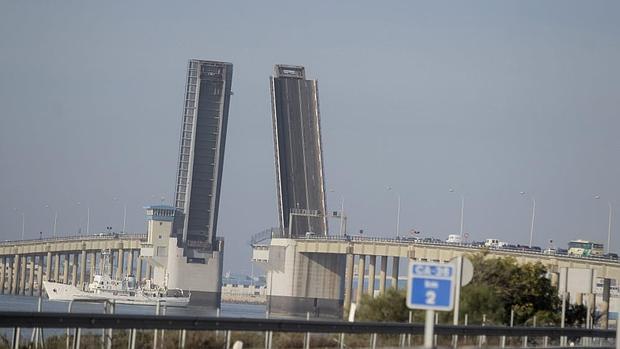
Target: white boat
[[124, 291]]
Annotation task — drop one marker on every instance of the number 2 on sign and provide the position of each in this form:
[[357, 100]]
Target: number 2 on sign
[[430, 297]]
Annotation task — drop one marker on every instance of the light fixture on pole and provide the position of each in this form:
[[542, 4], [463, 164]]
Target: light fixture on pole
[[610, 217], [462, 211], [533, 216], [397, 212]]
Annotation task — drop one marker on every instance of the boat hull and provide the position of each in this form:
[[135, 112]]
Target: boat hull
[[61, 292]]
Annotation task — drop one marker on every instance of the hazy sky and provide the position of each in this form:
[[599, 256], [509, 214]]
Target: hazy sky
[[489, 98]]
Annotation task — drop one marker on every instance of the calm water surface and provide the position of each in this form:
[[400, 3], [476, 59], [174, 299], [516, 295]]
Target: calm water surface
[[29, 304]]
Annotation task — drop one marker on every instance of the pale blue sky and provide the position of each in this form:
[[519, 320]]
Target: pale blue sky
[[488, 97]]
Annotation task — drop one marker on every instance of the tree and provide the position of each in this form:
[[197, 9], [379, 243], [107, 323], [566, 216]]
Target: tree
[[389, 307], [499, 286]]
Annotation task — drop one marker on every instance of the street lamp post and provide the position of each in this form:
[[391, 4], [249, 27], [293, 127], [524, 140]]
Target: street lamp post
[[533, 216], [55, 220], [397, 212], [343, 225], [462, 211], [115, 199], [124, 217], [23, 214], [608, 222]]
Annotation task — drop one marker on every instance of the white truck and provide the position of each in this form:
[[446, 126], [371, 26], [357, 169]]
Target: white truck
[[494, 243], [454, 239]]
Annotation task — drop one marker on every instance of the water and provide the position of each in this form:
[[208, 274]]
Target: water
[[29, 304]]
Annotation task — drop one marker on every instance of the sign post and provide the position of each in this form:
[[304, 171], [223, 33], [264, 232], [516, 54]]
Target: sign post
[[430, 287]]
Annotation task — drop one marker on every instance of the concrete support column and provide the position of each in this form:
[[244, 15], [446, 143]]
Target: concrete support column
[[65, 271], [555, 277], [40, 275], [22, 275], [591, 308], [139, 268], [130, 254], [74, 269], [348, 283], [2, 271], [56, 267], [149, 271], [93, 265], [48, 266], [119, 263], [14, 284], [579, 298], [372, 261], [83, 268], [382, 274], [9, 275], [101, 264], [31, 277], [395, 266], [361, 269]]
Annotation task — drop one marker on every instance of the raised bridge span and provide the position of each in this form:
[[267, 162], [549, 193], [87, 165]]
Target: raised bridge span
[[69, 259]]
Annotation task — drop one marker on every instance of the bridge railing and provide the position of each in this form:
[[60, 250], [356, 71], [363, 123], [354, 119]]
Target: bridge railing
[[102, 236], [267, 234]]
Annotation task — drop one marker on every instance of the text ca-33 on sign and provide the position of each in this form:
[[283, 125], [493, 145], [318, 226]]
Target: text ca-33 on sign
[[430, 286]]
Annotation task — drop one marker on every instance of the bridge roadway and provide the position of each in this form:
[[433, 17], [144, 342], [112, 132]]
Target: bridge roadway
[[439, 252], [21, 260]]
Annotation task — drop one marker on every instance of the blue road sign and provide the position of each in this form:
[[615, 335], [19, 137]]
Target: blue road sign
[[430, 286]]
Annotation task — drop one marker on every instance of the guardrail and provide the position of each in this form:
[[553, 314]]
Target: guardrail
[[403, 331], [104, 236], [126, 321]]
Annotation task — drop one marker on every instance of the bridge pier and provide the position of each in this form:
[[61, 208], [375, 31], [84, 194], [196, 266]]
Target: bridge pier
[[382, 274], [120, 254], [48, 266], [93, 265], [65, 269], [348, 284], [2, 272], [139, 268], [298, 283], [31, 276], [372, 261], [361, 269], [15, 274], [395, 267], [57, 267], [83, 268], [9, 275], [40, 275], [74, 269], [130, 263], [22, 275]]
